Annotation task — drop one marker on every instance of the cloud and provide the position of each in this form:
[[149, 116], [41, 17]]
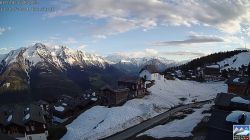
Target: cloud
[[191, 40], [151, 51], [122, 16], [70, 41], [5, 50], [183, 55], [81, 47], [114, 26], [4, 29], [100, 36]]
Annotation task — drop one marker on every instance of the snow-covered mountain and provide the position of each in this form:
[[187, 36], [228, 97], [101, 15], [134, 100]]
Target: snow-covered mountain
[[236, 61], [133, 65], [54, 69], [113, 59], [59, 56]]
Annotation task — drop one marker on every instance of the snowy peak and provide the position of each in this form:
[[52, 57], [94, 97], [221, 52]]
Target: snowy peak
[[134, 65], [139, 61], [59, 56]]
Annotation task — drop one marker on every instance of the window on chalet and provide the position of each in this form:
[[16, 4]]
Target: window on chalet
[[27, 128], [32, 128]]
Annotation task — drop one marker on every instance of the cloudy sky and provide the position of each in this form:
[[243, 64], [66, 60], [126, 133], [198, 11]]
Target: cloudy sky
[[175, 29]]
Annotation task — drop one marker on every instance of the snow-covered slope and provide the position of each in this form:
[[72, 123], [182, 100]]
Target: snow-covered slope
[[236, 61], [59, 56], [99, 121]]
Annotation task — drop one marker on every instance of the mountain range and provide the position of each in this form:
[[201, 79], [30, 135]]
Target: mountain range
[[44, 71], [132, 66]]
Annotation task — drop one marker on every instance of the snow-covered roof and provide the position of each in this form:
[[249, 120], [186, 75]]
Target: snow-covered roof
[[238, 80], [240, 100], [9, 118], [93, 99], [59, 108], [235, 115], [27, 116], [213, 66]]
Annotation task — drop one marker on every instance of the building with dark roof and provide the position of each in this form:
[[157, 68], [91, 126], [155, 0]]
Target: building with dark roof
[[211, 73], [225, 101], [114, 96], [23, 122], [229, 110], [239, 85], [135, 84]]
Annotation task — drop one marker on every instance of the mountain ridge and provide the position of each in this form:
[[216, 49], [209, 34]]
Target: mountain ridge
[[132, 65], [48, 71]]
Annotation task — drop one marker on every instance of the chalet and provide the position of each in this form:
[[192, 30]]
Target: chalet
[[91, 95], [136, 86], [63, 110], [239, 85], [211, 72], [43, 104], [230, 102], [81, 102], [229, 110], [64, 98], [67, 106], [113, 97], [150, 72], [46, 108], [23, 122]]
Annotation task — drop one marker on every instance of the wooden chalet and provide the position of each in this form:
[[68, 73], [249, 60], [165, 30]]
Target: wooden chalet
[[136, 86], [113, 97], [229, 110], [212, 72], [46, 108], [23, 122], [67, 106], [239, 86], [63, 110], [230, 102]]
